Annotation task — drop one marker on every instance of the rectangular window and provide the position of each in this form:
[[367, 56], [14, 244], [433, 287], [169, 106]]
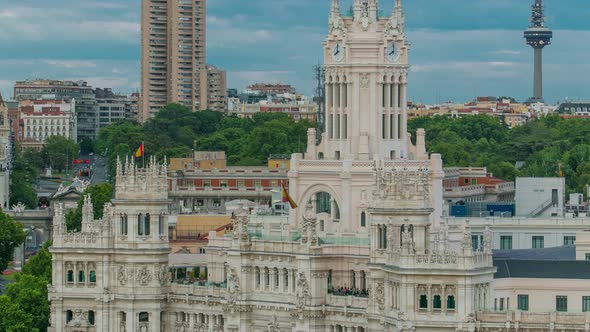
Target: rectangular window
[[506, 242], [588, 257], [223, 183], [585, 303], [538, 242], [241, 183], [206, 183], [345, 126], [501, 304], [399, 131], [561, 303], [383, 126], [391, 126], [331, 126], [523, 302], [338, 132], [476, 242], [569, 240]]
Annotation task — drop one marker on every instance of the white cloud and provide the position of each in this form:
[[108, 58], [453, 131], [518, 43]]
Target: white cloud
[[234, 33], [71, 64], [507, 52]]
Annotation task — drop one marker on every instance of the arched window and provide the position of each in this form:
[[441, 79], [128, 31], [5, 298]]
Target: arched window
[[91, 317], [92, 277], [69, 316], [81, 277], [147, 224], [140, 224], [276, 273], [143, 224], [363, 219], [161, 224], [286, 279], [423, 302], [450, 302], [258, 277], [330, 279], [124, 226], [352, 279], [266, 277], [70, 276], [436, 302], [363, 280], [122, 316], [144, 317]]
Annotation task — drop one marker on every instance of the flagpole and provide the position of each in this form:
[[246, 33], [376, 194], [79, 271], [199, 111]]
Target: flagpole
[[143, 154]]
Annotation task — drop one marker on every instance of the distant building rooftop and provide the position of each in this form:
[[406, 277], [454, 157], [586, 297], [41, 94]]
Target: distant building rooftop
[[547, 263]]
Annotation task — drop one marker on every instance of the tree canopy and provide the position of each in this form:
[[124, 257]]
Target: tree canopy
[[11, 236], [175, 131], [542, 144]]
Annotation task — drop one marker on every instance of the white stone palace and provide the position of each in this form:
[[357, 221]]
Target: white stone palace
[[365, 250]]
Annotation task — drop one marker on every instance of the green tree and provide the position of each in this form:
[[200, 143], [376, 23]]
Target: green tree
[[100, 195], [24, 174], [29, 293], [39, 265], [60, 152], [13, 318], [86, 145], [11, 236]]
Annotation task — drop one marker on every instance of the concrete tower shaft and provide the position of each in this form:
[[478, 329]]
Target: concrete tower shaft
[[538, 36]]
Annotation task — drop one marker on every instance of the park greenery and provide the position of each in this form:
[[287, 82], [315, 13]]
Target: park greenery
[[175, 131], [29, 163], [544, 145], [11, 236], [24, 306]]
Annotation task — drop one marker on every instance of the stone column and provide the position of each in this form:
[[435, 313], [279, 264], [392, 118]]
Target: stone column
[[342, 87], [387, 110], [328, 107], [403, 108], [395, 110], [335, 87]]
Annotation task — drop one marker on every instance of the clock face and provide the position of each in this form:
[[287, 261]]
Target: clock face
[[337, 52], [391, 52]]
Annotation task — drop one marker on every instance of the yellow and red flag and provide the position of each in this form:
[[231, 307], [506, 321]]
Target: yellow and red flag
[[287, 197], [139, 152]]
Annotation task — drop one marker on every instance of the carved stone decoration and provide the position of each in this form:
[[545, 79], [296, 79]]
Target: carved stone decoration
[[337, 26], [364, 81], [163, 275], [122, 275], [365, 20], [309, 226], [379, 295], [80, 319], [274, 325], [233, 287], [407, 240], [487, 240], [466, 242], [240, 223], [302, 291], [144, 277]]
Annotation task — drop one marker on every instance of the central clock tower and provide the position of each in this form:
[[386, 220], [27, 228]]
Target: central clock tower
[[366, 60]]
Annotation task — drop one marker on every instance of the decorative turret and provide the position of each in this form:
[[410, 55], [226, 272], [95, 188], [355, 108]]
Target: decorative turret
[[141, 183]]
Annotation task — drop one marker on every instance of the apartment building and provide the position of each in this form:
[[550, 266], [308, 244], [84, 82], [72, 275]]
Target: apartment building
[[173, 61], [83, 94]]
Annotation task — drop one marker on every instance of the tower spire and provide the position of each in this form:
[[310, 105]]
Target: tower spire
[[336, 7]]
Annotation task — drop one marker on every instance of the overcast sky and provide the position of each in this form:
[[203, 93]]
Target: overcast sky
[[460, 48]]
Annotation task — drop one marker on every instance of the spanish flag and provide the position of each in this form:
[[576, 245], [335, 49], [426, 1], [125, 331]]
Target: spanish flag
[[139, 152], [287, 197]]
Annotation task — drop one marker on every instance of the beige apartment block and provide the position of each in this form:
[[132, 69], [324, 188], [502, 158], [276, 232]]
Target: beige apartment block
[[173, 65]]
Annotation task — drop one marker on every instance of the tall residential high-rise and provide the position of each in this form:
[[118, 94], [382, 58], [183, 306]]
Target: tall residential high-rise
[[538, 36], [173, 53]]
